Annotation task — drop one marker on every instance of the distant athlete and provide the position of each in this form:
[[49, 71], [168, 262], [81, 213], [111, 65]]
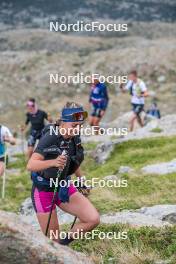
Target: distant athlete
[[154, 111], [36, 118], [5, 136], [99, 100], [138, 92]]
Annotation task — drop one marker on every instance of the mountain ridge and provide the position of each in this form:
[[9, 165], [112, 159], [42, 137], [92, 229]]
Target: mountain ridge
[[38, 13]]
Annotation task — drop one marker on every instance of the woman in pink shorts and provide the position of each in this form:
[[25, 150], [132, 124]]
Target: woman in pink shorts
[[44, 164]]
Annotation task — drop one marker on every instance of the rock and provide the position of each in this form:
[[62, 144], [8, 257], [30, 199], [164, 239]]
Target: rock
[[162, 211], [132, 218], [157, 215], [21, 244], [103, 152], [167, 125], [171, 218], [121, 122], [26, 207], [152, 93], [160, 168], [124, 169], [161, 78], [111, 177], [163, 262], [28, 215]]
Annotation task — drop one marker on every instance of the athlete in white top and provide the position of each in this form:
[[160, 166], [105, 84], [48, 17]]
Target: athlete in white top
[[5, 136], [138, 92]]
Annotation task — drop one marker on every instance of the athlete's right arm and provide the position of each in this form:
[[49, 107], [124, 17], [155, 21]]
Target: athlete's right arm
[[37, 162]]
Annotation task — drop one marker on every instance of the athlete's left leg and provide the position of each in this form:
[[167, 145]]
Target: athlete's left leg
[[81, 207]]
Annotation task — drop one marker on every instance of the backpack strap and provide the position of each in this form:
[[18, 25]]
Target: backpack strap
[[131, 89]]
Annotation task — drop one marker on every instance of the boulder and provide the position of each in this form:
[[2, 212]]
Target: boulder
[[132, 218], [125, 169], [157, 215], [21, 244], [161, 79], [103, 152], [164, 212], [160, 168], [111, 178], [171, 218]]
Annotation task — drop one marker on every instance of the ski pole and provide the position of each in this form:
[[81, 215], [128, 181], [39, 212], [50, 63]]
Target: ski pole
[[52, 203], [4, 174], [54, 195], [22, 147]]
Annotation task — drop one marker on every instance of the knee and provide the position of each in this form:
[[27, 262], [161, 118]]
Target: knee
[[94, 220], [133, 118]]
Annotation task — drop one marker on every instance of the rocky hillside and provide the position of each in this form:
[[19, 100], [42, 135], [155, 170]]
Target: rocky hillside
[[28, 56], [29, 52]]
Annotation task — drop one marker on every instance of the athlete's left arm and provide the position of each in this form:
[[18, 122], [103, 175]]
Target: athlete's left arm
[[145, 94]]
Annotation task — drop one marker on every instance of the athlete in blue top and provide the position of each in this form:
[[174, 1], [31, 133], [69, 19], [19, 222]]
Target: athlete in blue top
[[99, 100]]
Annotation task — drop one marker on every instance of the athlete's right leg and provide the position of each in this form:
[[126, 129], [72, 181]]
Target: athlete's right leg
[[92, 117], [42, 204], [98, 114], [132, 121]]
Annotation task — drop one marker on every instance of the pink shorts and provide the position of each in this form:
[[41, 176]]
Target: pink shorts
[[42, 200]]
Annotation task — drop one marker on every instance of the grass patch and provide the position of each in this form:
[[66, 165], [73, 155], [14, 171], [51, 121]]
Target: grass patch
[[18, 186], [143, 245], [156, 130], [142, 189]]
